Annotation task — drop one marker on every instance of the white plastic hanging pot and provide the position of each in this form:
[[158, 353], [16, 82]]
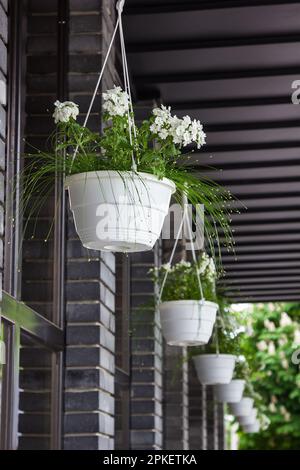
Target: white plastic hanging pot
[[230, 393], [214, 369], [252, 428], [247, 420], [242, 408], [187, 322], [119, 211]]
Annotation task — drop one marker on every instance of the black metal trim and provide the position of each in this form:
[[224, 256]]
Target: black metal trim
[[37, 326]]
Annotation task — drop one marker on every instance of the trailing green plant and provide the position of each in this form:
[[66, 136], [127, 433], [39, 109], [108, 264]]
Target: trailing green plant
[[182, 280], [242, 370], [227, 334], [161, 146]]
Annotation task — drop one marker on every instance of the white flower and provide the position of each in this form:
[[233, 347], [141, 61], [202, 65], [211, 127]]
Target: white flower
[[285, 413], [166, 266], [182, 131], [64, 111], [187, 264], [285, 320], [285, 364], [281, 355], [116, 101], [282, 341], [296, 341], [272, 408], [261, 345], [269, 325], [271, 348]]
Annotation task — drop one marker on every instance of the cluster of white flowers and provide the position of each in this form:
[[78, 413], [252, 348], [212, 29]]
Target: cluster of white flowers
[[269, 325], [207, 267], [183, 131], [284, 361], [271, 348], [296, 341], [116, 101], [262, 345], [64, 111], [285, 320], [285, 413]]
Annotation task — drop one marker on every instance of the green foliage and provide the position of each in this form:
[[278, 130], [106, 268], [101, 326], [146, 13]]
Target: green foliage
[[182, 280], [227, 334], [274, 335]]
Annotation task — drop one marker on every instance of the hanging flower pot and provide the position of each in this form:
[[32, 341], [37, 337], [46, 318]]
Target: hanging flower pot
[[119, 211], [252, 428], [214, 369], [187, 322], [242, 408], [188, 312], [230, 393], [132, 169], [248, 419]]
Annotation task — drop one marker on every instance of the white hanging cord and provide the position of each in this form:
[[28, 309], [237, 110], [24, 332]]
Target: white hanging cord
[[194, 256], [184, 216], [99, 80], [130, 115], [171, 257]]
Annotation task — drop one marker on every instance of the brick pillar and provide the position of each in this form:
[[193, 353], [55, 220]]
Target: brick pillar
[[197, 411], [90, 294], [212, 420], [176, 404], [3, 74], [221, 427], [146, 349]]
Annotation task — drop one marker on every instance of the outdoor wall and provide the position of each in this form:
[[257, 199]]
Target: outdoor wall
[[90, 292], [3, 83], [147, 351], [197, 411], [89, 277]]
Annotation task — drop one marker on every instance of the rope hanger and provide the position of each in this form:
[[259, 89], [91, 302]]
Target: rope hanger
[[185, 218], [130, 116]]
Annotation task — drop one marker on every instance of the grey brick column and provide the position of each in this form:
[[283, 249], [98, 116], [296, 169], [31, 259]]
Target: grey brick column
[[90, 294], [197, 411], [221, 427], [146, 347], [176, 403], [3, 78], [212, 420]]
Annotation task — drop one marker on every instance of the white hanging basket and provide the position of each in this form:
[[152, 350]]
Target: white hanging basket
[[242, 408], [119, 211], [252, 428], [248, 420], [214, 369], [230, 393], [187, 322]]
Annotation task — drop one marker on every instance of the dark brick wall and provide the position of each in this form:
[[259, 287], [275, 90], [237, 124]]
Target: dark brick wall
[[176, 397], [37, 267], [221, 427], [197, 411], [146, 350], [176, 403], [90, 294], [3, 83], [212, 419], [90, 276]]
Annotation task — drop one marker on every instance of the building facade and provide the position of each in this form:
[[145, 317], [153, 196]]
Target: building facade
[[85, 367]]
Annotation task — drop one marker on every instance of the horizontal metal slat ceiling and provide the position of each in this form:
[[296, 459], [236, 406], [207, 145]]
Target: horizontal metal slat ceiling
[[231, 64]]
